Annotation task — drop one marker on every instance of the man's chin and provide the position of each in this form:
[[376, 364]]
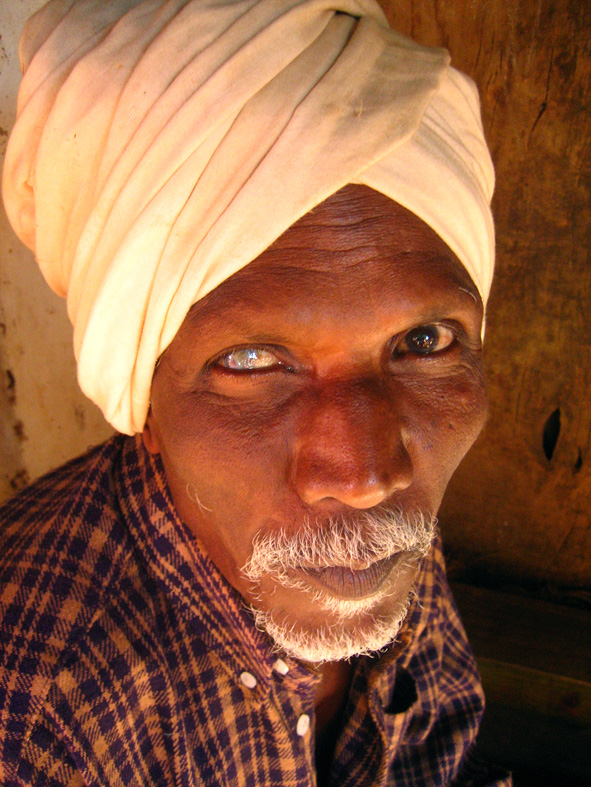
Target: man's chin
[[370, 633]]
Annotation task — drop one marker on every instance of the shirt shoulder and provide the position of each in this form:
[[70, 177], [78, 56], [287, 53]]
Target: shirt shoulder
[[63, 547], [57, 491]]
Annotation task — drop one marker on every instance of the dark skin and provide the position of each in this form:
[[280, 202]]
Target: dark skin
[[339, 371]]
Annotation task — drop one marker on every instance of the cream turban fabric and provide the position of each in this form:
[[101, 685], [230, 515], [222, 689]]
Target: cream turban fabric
[[161, 145]]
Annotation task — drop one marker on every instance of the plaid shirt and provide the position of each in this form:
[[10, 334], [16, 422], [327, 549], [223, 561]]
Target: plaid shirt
[[127, 659]]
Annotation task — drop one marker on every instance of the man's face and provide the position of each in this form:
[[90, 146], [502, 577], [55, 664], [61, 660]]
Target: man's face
[[316, 404]]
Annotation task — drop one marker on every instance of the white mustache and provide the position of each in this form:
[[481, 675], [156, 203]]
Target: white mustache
[[348, 541]]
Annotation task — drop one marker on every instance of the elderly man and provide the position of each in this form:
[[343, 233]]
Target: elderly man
[[271, 222]]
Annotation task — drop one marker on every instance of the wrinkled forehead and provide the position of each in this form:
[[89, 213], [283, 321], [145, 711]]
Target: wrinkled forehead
[[357, 239], [353, 221]]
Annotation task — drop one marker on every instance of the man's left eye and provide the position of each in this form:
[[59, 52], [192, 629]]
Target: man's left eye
[[248, 359], [425, 340]]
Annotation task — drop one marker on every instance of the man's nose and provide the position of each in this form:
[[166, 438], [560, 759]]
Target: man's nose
[[351, 447]]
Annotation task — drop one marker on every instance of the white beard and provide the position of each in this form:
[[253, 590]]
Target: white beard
[[365, 538], [333, 643]]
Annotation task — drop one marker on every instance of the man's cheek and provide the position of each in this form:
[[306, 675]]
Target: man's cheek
[[445, 423], [470, 413]]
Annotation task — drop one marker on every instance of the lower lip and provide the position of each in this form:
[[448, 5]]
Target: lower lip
[[355, 584]]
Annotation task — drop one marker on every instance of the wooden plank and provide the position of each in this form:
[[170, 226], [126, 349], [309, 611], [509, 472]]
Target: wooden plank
[[527, 632], [549, 695], [541, 752], [535, 661]]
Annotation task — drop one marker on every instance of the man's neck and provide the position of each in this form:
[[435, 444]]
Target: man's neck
[[330, 701]]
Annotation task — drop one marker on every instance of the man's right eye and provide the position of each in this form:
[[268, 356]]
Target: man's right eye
[[248, 359]]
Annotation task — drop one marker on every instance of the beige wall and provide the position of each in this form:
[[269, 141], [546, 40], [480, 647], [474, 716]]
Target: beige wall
[[44, 418]]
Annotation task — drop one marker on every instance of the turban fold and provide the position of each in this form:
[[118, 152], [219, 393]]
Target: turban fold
[[162, 145]]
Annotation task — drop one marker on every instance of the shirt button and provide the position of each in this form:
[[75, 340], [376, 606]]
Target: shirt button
[[281, 667], [248, 679], [303, 725]]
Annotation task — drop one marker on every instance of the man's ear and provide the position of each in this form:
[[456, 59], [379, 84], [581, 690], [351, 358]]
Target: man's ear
[[150, 435]]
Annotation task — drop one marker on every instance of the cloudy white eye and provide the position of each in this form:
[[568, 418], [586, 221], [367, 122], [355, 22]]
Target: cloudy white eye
[[425, 340], [248, 359]]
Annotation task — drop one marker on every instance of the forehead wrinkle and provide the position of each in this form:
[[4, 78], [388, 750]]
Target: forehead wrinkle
[[317, 316], [323, 223], [330, 257], [405, 270], [408, 289]]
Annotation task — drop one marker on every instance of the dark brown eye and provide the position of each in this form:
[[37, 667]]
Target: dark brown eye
[[425, 340]]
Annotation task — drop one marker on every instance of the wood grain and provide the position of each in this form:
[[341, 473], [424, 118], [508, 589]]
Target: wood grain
[[535, 661], [514, 509]]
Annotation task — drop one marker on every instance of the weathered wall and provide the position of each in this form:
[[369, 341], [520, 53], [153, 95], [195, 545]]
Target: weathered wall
[[44, 418], [519, 503]]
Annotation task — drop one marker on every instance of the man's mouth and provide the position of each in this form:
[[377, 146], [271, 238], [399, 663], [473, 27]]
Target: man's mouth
[[354, 584]]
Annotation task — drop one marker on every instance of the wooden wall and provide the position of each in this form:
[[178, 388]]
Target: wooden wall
[[519, 507]]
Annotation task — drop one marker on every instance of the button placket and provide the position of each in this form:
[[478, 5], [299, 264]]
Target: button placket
[[299, 688]]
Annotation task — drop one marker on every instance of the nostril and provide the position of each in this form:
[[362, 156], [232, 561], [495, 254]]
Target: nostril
[[551, 433]]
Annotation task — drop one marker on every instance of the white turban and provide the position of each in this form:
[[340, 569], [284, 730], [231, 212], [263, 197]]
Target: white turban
[[162, 145]]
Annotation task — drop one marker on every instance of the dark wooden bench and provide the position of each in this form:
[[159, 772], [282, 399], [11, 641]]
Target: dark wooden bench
[[535, 661]]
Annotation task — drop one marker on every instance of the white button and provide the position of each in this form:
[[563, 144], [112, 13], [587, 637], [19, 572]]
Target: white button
[[303, 725], [248, 680], [281, 667]]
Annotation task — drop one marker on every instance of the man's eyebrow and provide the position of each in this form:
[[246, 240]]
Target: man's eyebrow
[[248, 338], [239, 328]]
